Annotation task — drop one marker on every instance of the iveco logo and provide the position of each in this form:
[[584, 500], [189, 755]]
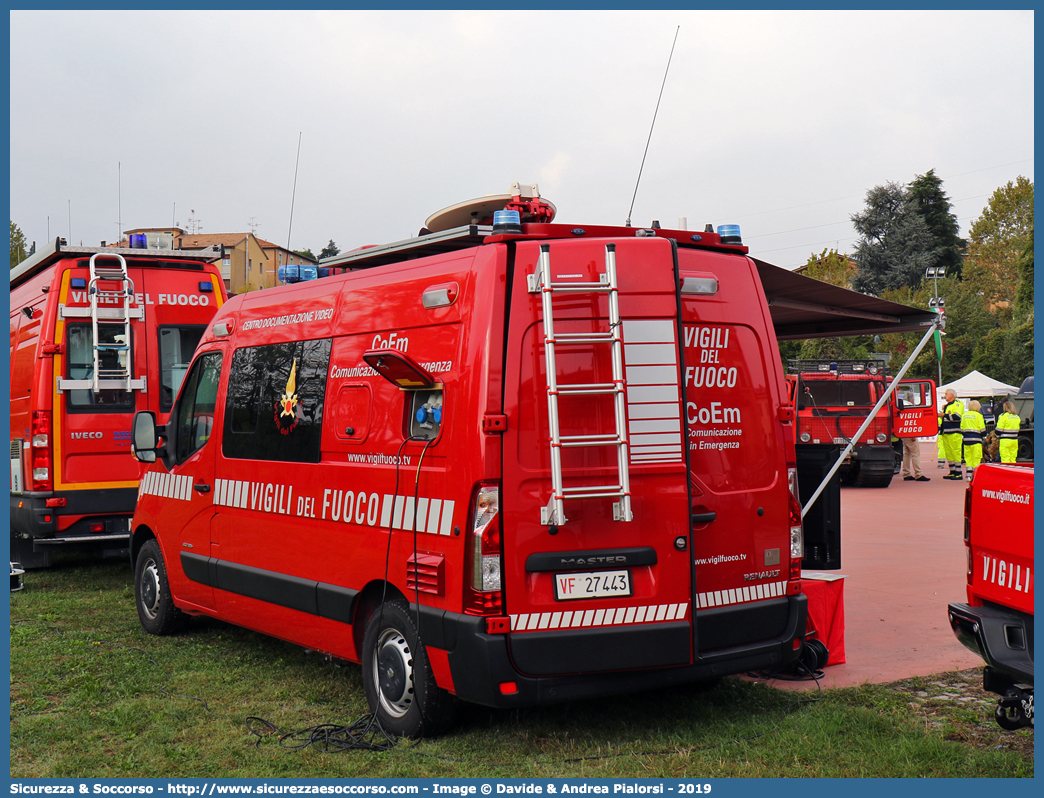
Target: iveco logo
[[77, 435], [569, 562]]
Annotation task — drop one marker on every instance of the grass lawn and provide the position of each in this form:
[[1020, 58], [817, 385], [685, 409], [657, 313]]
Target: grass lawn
[[94, 696]]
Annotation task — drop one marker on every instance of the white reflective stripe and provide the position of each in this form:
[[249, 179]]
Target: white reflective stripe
[[517, 621], [652, 375], [640, 331], [397, 512], [244, 496], [640, 615], [640, 440], [386, 510], [681, 611], [652, 393], [433, 515], [545, 619], [534, 619], [567, 619], [660, 410], [629, 617], [599, 617], [649, 354], [187, 493], [422, 514], [447, 518], [556, 620]]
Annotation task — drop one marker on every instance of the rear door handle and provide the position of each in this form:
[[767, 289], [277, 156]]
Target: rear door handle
[[202, 487], [704, 518]]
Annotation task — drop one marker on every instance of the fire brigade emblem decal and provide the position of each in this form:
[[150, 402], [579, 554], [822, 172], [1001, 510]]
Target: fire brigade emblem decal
[[287, 408]]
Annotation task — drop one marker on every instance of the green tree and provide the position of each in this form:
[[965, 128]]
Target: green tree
[[305, 253], [895, 245], [329, 250], [831, 267], [1024, 288], [997, 240], [927, 197], [18, 249]]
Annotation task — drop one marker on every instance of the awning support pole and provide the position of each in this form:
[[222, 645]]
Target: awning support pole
[[871, 417]]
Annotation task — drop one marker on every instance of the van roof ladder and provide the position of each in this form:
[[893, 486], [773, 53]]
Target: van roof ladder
[[554, 513]]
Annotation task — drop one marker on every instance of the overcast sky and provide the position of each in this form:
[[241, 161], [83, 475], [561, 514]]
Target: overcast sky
[[777, 121]]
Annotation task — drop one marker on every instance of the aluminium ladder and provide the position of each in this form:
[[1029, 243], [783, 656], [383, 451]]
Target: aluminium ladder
[[118, 376], [554, 512]]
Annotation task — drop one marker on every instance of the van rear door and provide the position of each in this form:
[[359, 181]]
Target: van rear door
[[593, 593], [733, 392]]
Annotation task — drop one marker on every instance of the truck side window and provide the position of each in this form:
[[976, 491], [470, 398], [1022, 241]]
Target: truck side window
[[176, 345], [196, 411], [274, 409], [79, 365]]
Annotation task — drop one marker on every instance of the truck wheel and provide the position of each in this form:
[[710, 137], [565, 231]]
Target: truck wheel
[[156, 609], [400, 687], [872, 478], [1025, 450]]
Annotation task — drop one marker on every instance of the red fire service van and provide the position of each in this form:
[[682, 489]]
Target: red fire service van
[[97, 333], [514, 464], [834, 397], [997, 621]]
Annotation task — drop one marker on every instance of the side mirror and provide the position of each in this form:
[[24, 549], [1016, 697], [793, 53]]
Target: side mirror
[[144, 439]]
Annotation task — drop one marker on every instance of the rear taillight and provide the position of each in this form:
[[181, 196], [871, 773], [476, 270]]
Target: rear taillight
[[484, 594], [40, 451], [797, 537]]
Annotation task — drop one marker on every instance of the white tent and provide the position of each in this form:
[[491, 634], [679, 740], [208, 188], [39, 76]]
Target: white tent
[[976, 384]]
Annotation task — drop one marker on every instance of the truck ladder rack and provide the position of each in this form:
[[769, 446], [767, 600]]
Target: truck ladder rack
[[118, 377], [554, 512]]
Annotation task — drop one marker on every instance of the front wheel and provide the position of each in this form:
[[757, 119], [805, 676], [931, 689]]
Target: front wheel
[[156, 609], [400, 687]]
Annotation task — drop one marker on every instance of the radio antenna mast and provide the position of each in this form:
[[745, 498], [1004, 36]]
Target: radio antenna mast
[[293, 196], [640, 168]]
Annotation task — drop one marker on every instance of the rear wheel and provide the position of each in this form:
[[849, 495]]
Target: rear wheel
[[400, 687], [156, 609], [1025, 449]]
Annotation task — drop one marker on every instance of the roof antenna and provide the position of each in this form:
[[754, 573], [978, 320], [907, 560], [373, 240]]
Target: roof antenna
[[293, 196], [639, 180]]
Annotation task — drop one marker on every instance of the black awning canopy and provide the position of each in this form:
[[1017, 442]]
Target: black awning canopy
[[803, 307]]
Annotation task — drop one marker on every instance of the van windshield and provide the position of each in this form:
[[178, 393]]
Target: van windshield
[[834, 393]]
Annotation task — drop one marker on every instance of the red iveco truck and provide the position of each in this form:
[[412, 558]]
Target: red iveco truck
[[997, 621], [511, 464], [97, 333], [834, 397]]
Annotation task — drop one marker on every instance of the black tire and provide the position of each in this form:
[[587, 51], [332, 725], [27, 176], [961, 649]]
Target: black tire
[[400, 687], [1025, 451], [156, 609], [880, 477]]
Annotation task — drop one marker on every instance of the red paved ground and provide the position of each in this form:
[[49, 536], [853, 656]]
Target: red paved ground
[[902, 551]]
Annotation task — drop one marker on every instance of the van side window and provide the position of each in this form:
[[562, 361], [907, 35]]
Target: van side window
[[176, 345], [274, 408], [198, 402], [79, 365]]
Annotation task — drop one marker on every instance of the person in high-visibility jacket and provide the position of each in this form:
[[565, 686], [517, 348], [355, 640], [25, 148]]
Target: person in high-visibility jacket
[[1008, 433], [950, 433], [973, 427]]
